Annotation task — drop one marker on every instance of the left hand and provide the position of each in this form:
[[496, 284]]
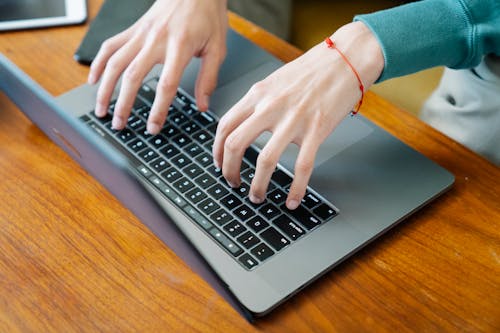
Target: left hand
[[300, 103]]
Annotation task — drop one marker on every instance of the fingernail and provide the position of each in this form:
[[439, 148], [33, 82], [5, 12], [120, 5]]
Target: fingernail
[[153, 128], [118, 123], [255, 199], [217, 164], [292, 204]]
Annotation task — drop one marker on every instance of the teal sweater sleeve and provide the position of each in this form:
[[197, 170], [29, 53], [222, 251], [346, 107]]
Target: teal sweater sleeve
[[428, 33]]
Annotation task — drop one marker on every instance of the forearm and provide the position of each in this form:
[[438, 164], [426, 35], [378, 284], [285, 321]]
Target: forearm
[[424, 34]]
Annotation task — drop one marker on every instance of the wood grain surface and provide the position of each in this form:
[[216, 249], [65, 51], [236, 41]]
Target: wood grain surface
[[72, 258]]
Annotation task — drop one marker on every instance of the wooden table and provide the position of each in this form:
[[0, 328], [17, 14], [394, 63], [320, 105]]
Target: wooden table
[[73, 259]]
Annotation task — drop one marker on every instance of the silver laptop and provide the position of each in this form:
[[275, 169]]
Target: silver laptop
[[365, 181]]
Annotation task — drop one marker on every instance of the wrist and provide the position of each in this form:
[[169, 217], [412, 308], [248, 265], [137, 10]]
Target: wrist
[[362, 49]]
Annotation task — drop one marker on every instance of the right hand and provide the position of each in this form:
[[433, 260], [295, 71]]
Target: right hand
[[171, 32]]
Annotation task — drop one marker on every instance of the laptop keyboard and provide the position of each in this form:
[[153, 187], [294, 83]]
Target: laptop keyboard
[[178, 163]]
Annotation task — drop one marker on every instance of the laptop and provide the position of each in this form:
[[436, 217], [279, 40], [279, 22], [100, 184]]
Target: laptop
[[365, 181]]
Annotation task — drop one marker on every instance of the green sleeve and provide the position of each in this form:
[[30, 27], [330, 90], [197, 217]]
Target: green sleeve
[[428, 33]]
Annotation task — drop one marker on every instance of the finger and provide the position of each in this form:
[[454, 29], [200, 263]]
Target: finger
[[236, 144], [304, 166], [232, 119], [266, 163], [177, 58], [107, 49], [114, 68], [132, 80], [207, 78]]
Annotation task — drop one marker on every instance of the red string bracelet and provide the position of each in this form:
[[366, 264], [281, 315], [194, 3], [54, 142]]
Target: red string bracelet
[[332, 45]]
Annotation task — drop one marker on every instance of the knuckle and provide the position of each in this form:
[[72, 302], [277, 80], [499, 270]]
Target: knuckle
[[108, 45], [132, 73], [232, 144], [223, 127], [165, 85], [258, 88], [303, 167]]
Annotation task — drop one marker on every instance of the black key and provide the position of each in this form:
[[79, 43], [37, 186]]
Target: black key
[[212, 128], [169, 151], [227, 243], [170, 131], [274, 238], [204, 159], [139, 104], [148, 154], [231, 201], [205, 181], [180, 160], [181, 140], [158, 141], [277, 196], [217, 191], [305, 218], [190, 127], [209, 145], [281, 178], [204, 119], [244, 166], [142, 112], [190, 109], [214, 171], [243, 190], [177, 118], [171, 174], [248, 240], [244, 212], [196, 195], [144, 133], [159, 164], [234, 228], [182, 97], [255, 206], [248, 261], [193, 149], [202, 136], [257, 224], [85, 118], [146, 92], [310, 200], [106, 119], [221, 217], [136, 145], [289, 227], [251, 155], [183, 185], [135, 123], [324, 212], [125, 135], [192, 171], [208, 206], [270, 187], [248, 175], [262, 252], [269, 211]]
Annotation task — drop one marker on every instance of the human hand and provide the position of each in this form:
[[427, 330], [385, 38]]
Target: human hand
[[300, 103], [171, 32]]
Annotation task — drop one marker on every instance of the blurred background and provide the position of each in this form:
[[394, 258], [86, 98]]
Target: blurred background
[[305, 23]]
